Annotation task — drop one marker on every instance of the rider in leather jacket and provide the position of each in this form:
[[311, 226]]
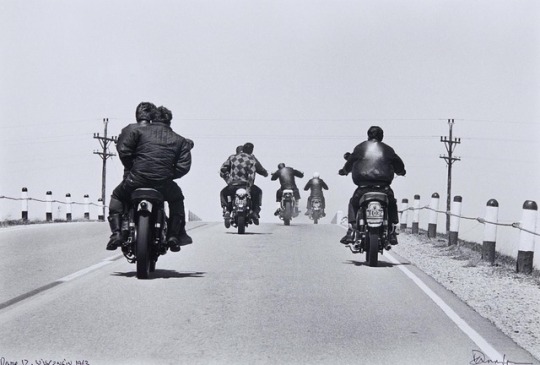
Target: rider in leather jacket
[[373, 165], [286, 177], [316, 184]]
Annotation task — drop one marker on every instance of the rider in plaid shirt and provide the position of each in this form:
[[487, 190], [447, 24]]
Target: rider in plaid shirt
[[240, 170]]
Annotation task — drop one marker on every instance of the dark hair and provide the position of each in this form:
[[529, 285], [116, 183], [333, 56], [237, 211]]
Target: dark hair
[[281, 165], [239, 149], [248, 148], [145, 111], [163, 115], [375, 133]]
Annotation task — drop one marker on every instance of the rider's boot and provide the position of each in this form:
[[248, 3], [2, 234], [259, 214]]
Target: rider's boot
[[278, 210], [255, 216], [392, 236], [177, 233], [349, 236], [226, 217], [116, 239]]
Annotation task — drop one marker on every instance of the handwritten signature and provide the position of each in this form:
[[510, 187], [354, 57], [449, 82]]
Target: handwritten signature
[[480, 358], [4, 361]]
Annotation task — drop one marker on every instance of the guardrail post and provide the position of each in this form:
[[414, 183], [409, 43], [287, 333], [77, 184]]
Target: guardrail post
[[68, 207], [339, 217], [432, 225], [526, 239], [48, 207], [24, 200], [86, 206], [455, 216], [416, 214], [490, 231], [404, 213], [101, 217]]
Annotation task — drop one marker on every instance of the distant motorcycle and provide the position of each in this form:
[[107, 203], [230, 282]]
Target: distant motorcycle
[[315, 211], [288, 207], [241, 212], [146, 232]]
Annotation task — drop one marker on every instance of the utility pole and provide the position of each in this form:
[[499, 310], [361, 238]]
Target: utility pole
[[104, 154], [450, 144]]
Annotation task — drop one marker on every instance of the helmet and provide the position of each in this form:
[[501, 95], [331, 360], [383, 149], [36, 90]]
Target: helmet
[[145, 111], [281, 165], [316, 175]]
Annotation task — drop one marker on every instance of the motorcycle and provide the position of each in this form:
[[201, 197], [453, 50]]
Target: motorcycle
[[145, 231], [288, 207], [241, 210], [371, 235], [315, 212]]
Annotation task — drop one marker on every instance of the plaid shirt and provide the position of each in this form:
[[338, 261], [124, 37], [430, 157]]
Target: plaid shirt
[[241, 169]]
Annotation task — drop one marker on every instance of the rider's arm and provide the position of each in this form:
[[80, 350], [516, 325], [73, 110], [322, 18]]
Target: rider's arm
[[183, 164], [399, 166], [298, 173], [259, 169], [308, 185], [323, 184], [275, 175], [126, 147]]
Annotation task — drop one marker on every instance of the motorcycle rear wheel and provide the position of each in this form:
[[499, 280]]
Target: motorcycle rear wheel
[[372, 249], [287, 214], [241, 224], [143, 247]]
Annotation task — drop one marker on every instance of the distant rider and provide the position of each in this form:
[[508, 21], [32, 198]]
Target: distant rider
[[240, 170], [373, 165], [316, 184], [154, 155], [286, 176]]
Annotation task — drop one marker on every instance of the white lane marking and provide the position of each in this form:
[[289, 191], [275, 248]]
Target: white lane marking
[[82, 272], [485, 347]]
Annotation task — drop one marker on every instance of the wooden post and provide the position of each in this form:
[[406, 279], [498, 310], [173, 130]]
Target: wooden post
[[24, 200], [86, 207], [404, 213], [525, 255], [432, 225], [68, 207], [490, 231], [416, 214], [48, 208], [455, 218]]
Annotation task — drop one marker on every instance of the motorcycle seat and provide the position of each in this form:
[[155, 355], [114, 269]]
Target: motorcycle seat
[[370, 196], [147, 193]]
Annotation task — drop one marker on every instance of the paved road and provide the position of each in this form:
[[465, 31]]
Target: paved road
[[277, 295]]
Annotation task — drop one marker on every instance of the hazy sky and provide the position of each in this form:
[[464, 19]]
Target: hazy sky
[[302, 80]]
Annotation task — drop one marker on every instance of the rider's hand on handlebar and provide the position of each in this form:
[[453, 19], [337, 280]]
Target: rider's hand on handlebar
[[342, 172]]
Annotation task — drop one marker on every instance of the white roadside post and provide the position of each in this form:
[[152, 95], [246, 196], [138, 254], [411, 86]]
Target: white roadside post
[[100, 210], [416, 214], [455, 216], [48, 208], [86, 206], [432, 225], [68, 207], [490, 231], [24, 204], [404, 213], [525, 255]]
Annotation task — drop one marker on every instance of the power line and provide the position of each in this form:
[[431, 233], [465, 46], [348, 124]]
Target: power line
[[450, 144], [104, 154]]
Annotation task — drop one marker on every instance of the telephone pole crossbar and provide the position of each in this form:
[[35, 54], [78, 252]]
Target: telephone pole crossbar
[[104, 154], [450, 144]]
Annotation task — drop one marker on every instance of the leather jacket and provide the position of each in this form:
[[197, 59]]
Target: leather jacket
[[373, 163], [155, 153], [286, 177], [316, 185]]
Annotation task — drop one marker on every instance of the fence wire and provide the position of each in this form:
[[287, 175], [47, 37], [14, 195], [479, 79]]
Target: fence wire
[[51, 201], [478, 219]]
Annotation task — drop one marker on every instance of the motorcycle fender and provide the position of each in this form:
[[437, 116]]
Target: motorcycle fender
[[144, 205]]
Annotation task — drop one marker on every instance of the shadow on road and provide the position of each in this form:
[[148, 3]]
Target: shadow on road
[[363, 263], [163, 274], [249, 233]]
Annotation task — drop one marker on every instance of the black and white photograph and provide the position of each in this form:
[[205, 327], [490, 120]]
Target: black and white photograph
[[245, 182]]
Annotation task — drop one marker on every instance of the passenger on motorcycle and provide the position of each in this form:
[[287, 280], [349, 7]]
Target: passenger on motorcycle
[[154, 156], [373, 165], [240, 171], [286, 176], [316, 184]]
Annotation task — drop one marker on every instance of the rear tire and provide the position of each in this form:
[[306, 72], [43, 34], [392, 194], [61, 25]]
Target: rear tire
[[241, 224], [372, 253], [287, 214], [143, 247]]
